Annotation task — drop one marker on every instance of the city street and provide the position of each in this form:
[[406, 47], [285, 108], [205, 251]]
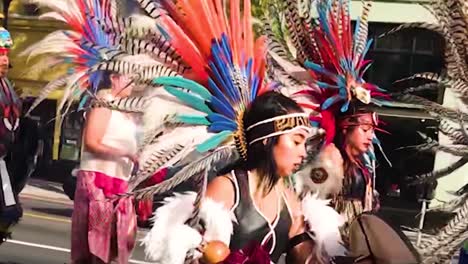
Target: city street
[[43, 236]]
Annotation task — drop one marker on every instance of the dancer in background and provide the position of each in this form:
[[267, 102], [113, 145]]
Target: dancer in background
[[11, 156], [101, 230], [330, 66]]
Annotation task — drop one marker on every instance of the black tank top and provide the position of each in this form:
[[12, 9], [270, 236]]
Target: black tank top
[[252, 226]]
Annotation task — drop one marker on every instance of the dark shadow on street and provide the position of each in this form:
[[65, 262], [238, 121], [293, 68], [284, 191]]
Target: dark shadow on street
[[49, 186], [54, 211]]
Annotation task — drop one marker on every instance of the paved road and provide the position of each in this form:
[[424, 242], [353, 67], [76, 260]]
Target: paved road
[[43, 236]]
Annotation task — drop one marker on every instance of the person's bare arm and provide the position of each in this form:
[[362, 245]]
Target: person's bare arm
[[302, 248], [221, 190], [96, 124], [298, 224]]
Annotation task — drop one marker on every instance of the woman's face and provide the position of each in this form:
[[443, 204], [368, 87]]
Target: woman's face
[[4, 63], [359, 137], [121, 85], [290, 151]]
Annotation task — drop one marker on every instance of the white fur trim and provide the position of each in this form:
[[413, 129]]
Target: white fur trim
[[324, 221], [331, 161], [170, 239], [218, 221]]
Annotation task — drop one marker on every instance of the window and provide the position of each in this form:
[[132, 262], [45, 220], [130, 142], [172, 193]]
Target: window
[[394, 57], [403, 54]]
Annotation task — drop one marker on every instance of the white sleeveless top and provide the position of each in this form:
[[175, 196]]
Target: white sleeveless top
[[121, 133]]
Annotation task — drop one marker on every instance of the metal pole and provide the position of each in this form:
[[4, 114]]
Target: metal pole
[[421, 221]]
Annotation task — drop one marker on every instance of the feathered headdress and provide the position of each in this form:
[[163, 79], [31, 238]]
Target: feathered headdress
[[226, 73], [5, 40], [224, 68], [326, 70], [92, 44], [224, 56], [334, 55], [85, 47]]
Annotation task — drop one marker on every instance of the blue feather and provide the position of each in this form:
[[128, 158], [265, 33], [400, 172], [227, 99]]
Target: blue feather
[[225, 73], [254, 88], [163, 32], [213, 141], [218, 78], [375, 140], [344, 107], [215, 117], [221, 108], [326, 85], [248, 70], [222, 126], [217, 92], [318, 68], [83, 101], [189, 99], [315, 123], [226, 48], [330, 101], [371, 155]]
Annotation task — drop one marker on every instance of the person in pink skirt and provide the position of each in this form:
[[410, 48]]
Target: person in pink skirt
[[103, 230]]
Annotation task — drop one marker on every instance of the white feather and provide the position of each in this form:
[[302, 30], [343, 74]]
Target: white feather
[[71, 86], [295, 71], [162, 104], [188, 137], [170, 239], [325, 222], [141, 59], [64, 7], [56, 42], [218, 221], [143, 22], [52, 16]]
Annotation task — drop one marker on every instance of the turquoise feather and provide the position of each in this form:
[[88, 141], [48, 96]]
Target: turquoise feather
[[193, 119], [192, 100], [184, 83], [213, 141]]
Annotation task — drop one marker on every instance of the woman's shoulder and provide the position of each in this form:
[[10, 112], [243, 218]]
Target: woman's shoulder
[[223, 182], [221, 189]]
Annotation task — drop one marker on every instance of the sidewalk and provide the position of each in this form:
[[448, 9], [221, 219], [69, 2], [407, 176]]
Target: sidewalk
[[45, 190]]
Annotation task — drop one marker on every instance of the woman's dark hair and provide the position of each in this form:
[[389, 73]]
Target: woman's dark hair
[[105, 82], [355, 108], [260, 156]]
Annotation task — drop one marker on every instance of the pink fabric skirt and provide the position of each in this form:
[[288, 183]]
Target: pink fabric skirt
[[102, 228]]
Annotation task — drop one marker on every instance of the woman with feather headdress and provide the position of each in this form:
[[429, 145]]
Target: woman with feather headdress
[[228, 113], [338, 98], [248, 214]]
